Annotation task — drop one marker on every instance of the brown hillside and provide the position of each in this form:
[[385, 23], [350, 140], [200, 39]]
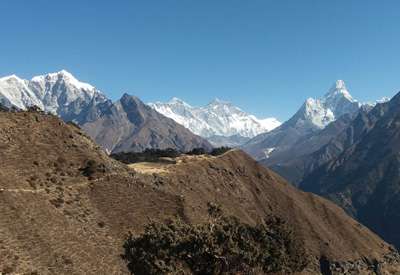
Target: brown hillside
[[65, 207]]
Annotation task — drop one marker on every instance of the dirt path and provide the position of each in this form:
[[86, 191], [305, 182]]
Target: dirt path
[[41, 190]]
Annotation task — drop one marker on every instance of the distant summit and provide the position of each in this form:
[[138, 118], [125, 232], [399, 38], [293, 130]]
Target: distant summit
[[288, 149], [313, 116], [339, 87], [322, 111], [59, 93], [217, 119]]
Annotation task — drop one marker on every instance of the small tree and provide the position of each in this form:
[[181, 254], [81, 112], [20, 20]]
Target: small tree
[[197, 151], [219, 151]]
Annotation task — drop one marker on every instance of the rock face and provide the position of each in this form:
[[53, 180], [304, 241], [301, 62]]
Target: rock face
[[130, 125], [361, 170], [65, 204], [219, 121], [120, 126]]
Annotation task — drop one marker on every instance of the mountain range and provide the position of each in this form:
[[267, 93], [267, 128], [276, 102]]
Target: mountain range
[[313, 115], [60, 93], [130, 125], [125, 125], [286, 149], [220, 122]]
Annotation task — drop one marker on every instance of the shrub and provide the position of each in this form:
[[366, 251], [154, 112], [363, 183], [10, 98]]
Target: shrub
[[197, 151], [224, 245], [219, 151], [91, 168]]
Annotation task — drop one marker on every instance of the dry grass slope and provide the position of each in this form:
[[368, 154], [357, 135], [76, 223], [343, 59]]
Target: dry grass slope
[[66, 207]]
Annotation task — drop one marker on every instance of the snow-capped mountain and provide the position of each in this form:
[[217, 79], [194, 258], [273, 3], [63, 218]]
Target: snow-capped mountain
[[313, 116], [322, 111], [379, 101], [15, 92], [59, 93], [218, 118], [127, 124]]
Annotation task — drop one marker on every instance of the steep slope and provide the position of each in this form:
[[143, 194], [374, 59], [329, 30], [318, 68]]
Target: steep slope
[[363, 177], [302, 157], [47, 225], [217, 119], [337, 136], [66, 208], [314, 115], [130, 125]]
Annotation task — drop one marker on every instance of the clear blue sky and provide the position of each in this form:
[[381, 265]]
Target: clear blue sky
[[264, 56]]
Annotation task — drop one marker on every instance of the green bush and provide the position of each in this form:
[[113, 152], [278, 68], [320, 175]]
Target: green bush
[[224, 245], [197, 151], [219, 151], [91, 168]]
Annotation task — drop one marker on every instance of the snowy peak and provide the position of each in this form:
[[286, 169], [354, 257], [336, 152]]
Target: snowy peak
[[176, 102], [339, 90], [339, 85], [339, 100], [218, 118], [379, 101], [14, 92], [12, 77], [65, 77], [322, 111], [59, 93]]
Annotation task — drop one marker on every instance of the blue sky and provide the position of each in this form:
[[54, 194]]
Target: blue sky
[[265, 56]]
